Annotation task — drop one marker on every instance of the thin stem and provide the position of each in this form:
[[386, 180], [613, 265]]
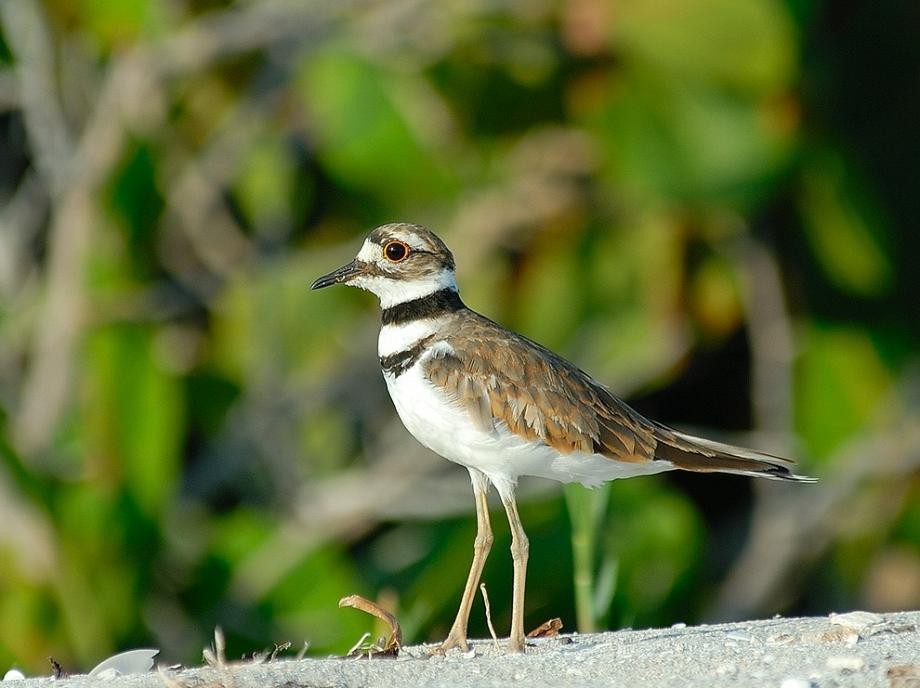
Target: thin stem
[[586, 508]]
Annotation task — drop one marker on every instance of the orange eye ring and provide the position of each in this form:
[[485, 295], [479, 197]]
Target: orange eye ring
[[396, 251]]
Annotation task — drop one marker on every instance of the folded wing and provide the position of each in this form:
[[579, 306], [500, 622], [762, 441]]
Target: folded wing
[[505, 380]]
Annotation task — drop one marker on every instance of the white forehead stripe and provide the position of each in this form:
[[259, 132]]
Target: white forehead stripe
[[415, 241], [370, 252]]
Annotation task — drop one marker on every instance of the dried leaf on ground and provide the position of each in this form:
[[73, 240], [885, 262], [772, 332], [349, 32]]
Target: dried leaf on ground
[[548, 629], [390, 648]]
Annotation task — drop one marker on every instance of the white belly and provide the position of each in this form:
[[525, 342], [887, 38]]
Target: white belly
[[446, 429]]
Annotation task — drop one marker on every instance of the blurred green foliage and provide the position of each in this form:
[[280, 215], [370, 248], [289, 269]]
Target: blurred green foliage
[[191, 438]]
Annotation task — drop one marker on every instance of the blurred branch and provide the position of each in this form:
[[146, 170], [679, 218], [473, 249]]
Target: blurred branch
[[9, 90], [248, 27], [29, 40], [195, 199], [74, 216], [792, 526], [130, 97], [27, 533], [406, 481], [196, 204], [546, 172], [20, 221], [402, 482], [769, 336]]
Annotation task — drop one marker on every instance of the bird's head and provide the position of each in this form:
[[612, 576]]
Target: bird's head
[[398, 262]]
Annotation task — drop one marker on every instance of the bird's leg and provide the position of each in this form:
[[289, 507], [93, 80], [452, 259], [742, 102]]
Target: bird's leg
[[520, 547], [481, 547]]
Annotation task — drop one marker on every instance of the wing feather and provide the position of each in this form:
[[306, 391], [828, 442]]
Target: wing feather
[[503, 378]]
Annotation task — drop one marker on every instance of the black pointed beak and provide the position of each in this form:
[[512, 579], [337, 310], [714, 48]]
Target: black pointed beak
[[343, 274]]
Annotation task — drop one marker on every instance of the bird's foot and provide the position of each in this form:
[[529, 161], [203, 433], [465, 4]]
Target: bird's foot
[[454, 639]]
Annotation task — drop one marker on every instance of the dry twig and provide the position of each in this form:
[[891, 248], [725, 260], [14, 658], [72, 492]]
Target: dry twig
[[215, 656], [392, 645], [485, 601]]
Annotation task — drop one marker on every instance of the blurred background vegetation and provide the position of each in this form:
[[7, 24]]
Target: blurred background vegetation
[[709, 204]]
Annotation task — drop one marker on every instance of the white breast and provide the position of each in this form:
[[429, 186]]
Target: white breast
[[446, 428]]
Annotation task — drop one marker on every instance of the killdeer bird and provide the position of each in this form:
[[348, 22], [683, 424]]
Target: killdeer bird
[[503, 406]]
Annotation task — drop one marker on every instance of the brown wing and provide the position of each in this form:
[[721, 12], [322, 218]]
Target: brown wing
[[502, 377]]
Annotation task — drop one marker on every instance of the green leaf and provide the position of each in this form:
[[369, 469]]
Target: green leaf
[[136, 202], [551, 284], [266, 185], [841, 378], [667, 138], [269, 324], [715, 298], [305, 598], [636, 276], [134, 414], [655, 534], [362, 136], [117, 22], [845, 226], [748, 45]]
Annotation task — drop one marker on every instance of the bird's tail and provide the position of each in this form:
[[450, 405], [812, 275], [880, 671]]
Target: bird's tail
[[691, 453]]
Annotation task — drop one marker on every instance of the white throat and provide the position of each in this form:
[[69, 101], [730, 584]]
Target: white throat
[[393, 292]]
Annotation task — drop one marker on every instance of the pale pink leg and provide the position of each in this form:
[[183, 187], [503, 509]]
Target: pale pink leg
[[520, 548], [481, 547]]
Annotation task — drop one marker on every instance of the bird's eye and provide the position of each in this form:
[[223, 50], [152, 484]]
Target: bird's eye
[[395, 251]]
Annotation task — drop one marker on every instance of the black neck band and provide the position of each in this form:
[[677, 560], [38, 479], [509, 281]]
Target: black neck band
[[430, 306]]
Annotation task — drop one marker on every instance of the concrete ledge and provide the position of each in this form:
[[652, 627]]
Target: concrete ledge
[[856, 649]]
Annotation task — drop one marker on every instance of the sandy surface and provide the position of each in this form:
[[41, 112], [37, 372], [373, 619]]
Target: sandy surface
[[856, 649]]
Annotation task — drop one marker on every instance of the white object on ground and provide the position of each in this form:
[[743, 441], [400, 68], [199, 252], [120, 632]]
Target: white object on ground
[[130, 662]]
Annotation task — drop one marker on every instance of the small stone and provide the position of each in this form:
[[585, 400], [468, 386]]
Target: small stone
[[679, 624], [843, 634], [740, 636], [846, 663], [795, 683], [858, 621], [470, 654], [14, 675], [904, 676], [726, 669]]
